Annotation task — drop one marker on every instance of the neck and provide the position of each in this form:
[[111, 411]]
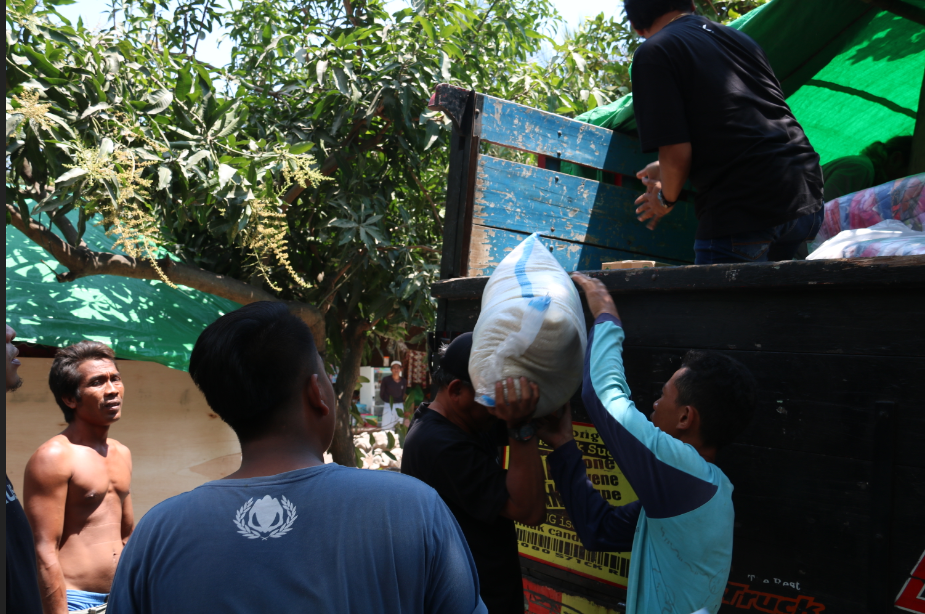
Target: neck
[[708, 453], [87, 434], [277, 453], [442, 407], [663, 21]]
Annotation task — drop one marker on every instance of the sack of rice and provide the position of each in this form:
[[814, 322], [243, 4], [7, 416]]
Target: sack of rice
[[531, 325]]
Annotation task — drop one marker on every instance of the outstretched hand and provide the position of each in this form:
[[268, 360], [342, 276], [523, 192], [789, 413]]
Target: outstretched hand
[[556, 428], [599, 300], [513, 410]]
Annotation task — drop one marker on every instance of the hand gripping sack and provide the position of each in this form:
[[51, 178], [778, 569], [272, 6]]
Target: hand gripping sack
[[531, 325]]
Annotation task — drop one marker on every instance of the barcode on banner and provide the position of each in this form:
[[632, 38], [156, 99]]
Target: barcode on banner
[[615, 563]]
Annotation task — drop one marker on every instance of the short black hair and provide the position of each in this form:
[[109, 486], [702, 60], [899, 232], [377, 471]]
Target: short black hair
[[248, 364], [64, 377], [453, 362], [723, 391], [643, 13]]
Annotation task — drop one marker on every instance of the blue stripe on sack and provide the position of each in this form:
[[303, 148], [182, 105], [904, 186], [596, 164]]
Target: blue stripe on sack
[[526, 288], [541, 303]]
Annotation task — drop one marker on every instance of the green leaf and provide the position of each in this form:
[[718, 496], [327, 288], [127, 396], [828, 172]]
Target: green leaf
[[69, 177], [426, 26], [579, 61], [94, 109], [433, 133], [158, 101], [300, 148], [184, 84], [444, 66], [342, 224], [225, 174], [12, 123], [340, 79], [40, 62], [164, 177], [320, 68]]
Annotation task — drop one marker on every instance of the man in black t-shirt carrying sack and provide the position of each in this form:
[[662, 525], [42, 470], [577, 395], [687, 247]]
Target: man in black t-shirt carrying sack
[[453, 446], [705, 97]]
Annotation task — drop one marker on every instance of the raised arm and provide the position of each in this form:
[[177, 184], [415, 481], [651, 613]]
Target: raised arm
[[44, 497], [527, 497], [669, 476]]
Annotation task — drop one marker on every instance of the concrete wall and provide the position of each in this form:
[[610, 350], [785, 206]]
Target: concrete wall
[[177, 443]]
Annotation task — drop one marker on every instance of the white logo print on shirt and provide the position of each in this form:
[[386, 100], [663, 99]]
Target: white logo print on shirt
[[265, 518]]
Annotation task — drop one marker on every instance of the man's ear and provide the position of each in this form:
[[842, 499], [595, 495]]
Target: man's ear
[[455, 387], [312, 396], [70, 402], [688, 417]]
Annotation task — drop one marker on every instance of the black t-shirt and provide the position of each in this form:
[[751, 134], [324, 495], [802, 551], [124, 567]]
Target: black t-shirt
[[22, 583], [700, 82], [466, 472]]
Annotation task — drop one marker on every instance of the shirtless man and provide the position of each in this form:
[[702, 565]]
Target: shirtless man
[[76, 487]]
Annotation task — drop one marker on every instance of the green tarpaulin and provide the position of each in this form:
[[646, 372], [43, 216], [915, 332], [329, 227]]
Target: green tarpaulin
[[139, 319], [852, 73]]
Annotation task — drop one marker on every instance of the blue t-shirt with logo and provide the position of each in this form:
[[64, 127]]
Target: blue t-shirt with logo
[[321, 539]]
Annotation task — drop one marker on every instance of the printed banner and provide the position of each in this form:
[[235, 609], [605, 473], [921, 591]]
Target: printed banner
[[555, 542]]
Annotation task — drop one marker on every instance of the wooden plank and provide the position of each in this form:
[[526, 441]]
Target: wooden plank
[[906, 272], [528, 199], [520, 127], [463, 153], [488, 246]]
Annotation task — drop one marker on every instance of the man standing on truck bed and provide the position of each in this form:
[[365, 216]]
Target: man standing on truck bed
[[706, 98], [453, 445], [680, 529]]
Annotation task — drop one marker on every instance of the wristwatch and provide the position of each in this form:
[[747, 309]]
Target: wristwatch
[[665, 202], [524, 432]]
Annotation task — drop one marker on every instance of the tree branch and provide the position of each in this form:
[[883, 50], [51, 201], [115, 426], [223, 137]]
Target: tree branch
[[84, 262], [433, 206]]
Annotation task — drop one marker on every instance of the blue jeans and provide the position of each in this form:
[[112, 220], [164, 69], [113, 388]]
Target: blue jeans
[[771, 244]]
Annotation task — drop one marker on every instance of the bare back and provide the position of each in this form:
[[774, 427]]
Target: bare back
[[78, 502]]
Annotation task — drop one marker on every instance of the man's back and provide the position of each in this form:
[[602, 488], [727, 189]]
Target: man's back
[[700, 82], [321, 539]]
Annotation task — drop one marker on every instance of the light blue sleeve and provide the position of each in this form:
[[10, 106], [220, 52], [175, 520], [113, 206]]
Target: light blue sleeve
[[453, 581], [669, 476]]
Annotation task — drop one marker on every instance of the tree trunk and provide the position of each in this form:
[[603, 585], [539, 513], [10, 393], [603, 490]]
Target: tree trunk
[[342, 448]]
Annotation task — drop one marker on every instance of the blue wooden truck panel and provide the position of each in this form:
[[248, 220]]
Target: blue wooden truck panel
[[583, 221]]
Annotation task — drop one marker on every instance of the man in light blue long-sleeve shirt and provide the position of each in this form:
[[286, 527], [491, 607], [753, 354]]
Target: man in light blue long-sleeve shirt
[[680, 529]]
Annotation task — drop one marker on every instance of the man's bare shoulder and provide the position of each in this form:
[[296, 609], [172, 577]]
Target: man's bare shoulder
[[54, 458], [121, 448]]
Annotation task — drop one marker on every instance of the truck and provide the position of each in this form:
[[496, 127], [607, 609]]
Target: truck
[[830, 476]]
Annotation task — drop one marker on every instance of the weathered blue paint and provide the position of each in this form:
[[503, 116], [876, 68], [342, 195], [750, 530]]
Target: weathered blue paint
[[519, 127], [527, 199], [490, 245]]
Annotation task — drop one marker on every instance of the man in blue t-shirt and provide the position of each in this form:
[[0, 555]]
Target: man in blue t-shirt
[[287, 533], [680, 529]]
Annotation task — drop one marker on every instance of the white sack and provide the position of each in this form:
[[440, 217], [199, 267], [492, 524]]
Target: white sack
[[531, 325], [886, 238]]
